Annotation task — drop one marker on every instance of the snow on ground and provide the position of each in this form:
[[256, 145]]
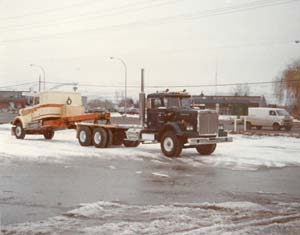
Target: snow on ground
[[232, 218], [227, 117], [124, 115], [244, 153]]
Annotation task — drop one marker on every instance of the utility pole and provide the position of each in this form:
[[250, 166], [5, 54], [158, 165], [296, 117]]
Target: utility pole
[[216, 87], [142, 100], [43, 71], [216, 77], [40, 81]]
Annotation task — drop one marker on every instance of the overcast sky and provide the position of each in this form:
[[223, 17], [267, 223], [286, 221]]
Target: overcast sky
[[178, 42]]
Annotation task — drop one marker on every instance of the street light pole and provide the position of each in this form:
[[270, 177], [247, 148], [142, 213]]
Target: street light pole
[[44, 73], [125, 70]]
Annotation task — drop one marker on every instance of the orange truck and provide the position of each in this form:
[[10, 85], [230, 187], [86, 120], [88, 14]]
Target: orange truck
[[52, 111]]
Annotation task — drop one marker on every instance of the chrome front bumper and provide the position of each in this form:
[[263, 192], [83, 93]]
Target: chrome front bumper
[[208, 140]]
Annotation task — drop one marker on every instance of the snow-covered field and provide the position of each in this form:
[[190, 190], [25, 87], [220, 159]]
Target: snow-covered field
[[244, 153], [230, 218]]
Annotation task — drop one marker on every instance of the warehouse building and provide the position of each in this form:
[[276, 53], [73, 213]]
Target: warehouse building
[[229, 105]]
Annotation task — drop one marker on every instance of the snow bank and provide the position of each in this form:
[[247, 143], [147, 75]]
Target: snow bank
[[203, 218], [227, 117], [124, 115]]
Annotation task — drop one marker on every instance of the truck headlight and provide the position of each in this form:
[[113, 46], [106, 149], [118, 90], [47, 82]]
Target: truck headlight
[[189, 128]]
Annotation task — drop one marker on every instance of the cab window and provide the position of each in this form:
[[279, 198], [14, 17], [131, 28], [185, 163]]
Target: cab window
[[36, 100], [272, 113], [156, 103]]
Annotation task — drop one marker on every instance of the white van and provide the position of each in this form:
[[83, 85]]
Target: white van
[[269, 117]]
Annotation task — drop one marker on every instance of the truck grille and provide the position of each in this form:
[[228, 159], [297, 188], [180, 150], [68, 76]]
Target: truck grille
[[208, 122]]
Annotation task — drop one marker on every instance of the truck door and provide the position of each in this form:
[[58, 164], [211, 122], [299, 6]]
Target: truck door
[[155, 113]]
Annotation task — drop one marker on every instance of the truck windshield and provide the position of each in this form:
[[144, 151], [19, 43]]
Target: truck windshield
[[177, 102], [282, 112]]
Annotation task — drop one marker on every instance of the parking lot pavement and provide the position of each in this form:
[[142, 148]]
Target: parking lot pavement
[[247, 186]]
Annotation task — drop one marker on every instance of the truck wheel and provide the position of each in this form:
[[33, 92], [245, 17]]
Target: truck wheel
[[85, 136], [206, 149], [118, 137], [248, 126], [48, 134], [19, 131], [109, 137], [170, 144], [100, 138], [131, 144], [288, 128], [276, 127]]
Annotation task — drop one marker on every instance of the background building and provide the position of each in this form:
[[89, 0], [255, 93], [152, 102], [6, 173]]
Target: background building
[[229, 105], [11, 101]]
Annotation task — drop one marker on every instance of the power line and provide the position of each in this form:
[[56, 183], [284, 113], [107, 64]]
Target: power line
[[18, 84], [158, 86], [179, 86], [81, 3], [107, 12], [240, 8], [165, 20]]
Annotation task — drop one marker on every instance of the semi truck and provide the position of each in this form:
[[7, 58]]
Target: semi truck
[[166, 118]]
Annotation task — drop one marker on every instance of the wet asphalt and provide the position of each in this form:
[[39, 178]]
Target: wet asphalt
[[35, 191]]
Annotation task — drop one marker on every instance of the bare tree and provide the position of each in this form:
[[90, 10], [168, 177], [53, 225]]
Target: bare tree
[[100, 104], [241, 90], [287, 86]]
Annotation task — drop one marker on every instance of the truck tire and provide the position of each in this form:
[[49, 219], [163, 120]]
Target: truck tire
[[206, 149], [170, 144], [118, 137], [288, 128], [85, 136], [100, 137], [131, 144], [276, 127], [248, 125], [109, 138], [48, 134], [19, 131]]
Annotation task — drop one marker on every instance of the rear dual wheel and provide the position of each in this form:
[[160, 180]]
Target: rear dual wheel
[[288, 128], [48, 134], [276, 127], [84, 136], [100, 137]]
